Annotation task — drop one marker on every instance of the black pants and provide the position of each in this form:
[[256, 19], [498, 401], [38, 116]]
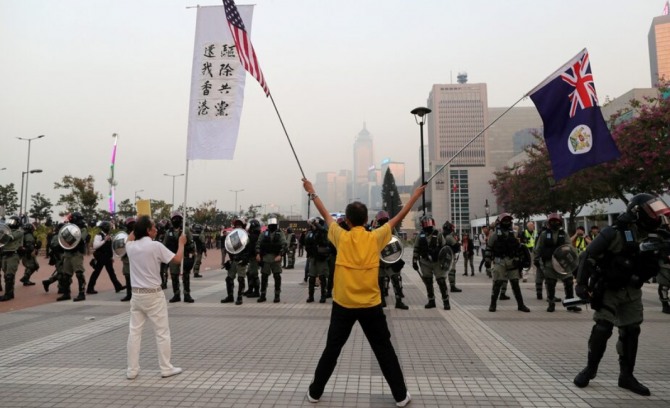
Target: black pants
[[108, 264], [373, 323]]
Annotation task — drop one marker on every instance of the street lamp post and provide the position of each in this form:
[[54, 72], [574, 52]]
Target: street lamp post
[[29, 139], [137, 191], [487, 209], [24, 174], [419, 113], [174, 176], [236, 191]]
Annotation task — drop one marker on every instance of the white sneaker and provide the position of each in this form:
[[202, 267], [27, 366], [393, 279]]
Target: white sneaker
[[174, 371], [404, 402], [131, 375], [310, 399]]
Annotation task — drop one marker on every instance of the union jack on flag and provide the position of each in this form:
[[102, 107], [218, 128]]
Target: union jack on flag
[[579, 76], [575, 131], [245, 50]]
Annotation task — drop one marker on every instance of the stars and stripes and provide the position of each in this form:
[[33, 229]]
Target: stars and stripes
[[579, 76], [245, 50]]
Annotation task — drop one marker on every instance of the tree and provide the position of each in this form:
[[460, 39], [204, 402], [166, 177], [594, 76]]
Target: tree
[[126, 209], [41, 208], [9, 198], [390, 196], [160, 209], [82, 196], [205, 213]]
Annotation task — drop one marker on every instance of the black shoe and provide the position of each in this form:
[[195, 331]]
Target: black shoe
[[28, 283], [465, 274], [188, 298], [329, 295], [163, 285], [197, 275], [504, 297], [539, 296], [492, 308], [574, 309], [455, 289], [46, 284], [430, 304], [310, 299], [582, 379], [120, 288], [276, 299], [551, 307], [446, 304], [261, 299], [253, 294], [239, 300], [64, 297], [400, 305], [80, 297], [126, 299], [175, 298], [6, 297], [523, 308], [666, 308], [228, 299], [94, 292], [322, 300], [631, 383]]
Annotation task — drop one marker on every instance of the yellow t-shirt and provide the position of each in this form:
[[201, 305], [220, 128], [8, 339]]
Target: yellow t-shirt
[[357, 265]]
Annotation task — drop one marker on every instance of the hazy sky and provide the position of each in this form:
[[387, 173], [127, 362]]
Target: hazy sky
[[78, 71]]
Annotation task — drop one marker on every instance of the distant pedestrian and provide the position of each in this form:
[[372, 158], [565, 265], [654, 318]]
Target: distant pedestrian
[[148, 300], [356, 294]]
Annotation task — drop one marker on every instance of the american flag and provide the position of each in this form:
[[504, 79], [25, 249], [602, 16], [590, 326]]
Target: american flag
[[245, 50], [579, 76]]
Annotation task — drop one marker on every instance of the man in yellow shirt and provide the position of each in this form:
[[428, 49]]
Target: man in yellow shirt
[[356, 294]]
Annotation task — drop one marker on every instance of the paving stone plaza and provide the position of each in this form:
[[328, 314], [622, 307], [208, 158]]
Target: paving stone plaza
[[73, 355]]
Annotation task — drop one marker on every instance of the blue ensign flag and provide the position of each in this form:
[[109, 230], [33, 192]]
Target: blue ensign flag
[[574, 129]]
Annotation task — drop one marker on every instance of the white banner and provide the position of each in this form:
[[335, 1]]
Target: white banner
[[217, 86]]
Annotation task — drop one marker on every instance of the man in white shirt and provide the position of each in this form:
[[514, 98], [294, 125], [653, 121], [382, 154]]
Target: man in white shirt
[[148, 301]]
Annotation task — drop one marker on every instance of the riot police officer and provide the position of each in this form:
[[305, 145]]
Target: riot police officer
[[252, 269], [104, 257], [318, 251], [56, 260], [129, 223], [611, 272], [171, 242], [663, 279], [390, 272], [200, 249], [28, 259], [503, 252], [451, 240], [237, 267], [548, 241], [270, 247], [162, 227], [427, 248], [292, 241], [73, 260], [11, 257]]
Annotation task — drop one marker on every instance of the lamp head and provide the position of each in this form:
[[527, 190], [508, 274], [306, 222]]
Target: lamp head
[[420, 111]]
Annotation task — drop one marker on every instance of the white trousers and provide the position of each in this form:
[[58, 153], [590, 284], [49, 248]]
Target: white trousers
[[154, 307]]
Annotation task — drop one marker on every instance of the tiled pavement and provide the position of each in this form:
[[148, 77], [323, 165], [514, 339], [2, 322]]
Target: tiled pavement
[[73, 354]]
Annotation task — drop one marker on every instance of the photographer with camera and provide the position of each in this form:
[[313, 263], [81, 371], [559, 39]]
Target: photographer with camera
[[611, 272]]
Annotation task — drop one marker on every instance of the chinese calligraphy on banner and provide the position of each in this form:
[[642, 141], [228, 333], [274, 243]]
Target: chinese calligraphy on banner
[[217, 87]]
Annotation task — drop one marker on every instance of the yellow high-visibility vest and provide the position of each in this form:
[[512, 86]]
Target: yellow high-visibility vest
[[530, 239]]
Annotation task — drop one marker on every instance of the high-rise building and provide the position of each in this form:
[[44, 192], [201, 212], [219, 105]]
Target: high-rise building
[[363, 163], [509, 135], [397, 169], [659, 49], [459, 113]]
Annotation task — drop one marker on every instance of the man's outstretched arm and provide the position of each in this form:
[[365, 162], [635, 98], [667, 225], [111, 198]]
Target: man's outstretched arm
[[307, 185], [407, 207]]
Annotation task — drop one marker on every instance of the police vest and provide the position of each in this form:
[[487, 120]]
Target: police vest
[[429, 246], [530, 239], [549, 246], [505, 244], [104, 251], [271, 242], [619, 266]]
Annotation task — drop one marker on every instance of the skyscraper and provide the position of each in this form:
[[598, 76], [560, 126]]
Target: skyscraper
[[659, 48], [363, 162]]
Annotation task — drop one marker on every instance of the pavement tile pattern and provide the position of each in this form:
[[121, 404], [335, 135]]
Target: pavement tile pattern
[[73, 355]]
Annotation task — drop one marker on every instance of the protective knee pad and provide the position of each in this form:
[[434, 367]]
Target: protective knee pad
[[602, 330], [630, 331], [663, 293]]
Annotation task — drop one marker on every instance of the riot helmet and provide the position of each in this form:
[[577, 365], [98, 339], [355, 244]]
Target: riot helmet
[[77, 219], [381, 218], [130, 224], [105, 226], [272, 222], [504, 220], [197, 228], [427, 223], [28, 228], [254, 225], [647, 211], [342, 222], [289, 230], [176, 219], [554, 221], [239, 222], [447, 227], [13, 222]]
